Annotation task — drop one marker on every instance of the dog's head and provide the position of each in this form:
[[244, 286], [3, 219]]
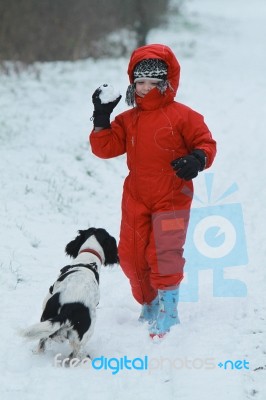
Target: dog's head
[[106, 241]]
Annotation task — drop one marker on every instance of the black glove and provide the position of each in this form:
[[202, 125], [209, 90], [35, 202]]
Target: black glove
[[102, 112], [189, 166]]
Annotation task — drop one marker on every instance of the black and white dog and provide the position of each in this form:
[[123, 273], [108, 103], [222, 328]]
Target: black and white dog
[[69, 309]]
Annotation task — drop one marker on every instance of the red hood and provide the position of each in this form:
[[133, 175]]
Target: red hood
[[157, 51]]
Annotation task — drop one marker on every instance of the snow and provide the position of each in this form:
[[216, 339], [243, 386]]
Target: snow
[[52, 185], [108, 93]]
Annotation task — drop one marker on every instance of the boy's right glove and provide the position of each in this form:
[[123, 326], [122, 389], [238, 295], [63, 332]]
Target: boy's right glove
[[102, 111], [189, 166]]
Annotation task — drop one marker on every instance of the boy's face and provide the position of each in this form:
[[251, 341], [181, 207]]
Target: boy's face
[[145, 85]]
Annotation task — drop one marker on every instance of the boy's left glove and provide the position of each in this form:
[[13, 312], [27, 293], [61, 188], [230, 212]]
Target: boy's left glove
[[103, 108], [189, 166]]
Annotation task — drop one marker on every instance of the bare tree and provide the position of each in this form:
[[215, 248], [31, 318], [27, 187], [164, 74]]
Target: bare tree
[[45, 30]]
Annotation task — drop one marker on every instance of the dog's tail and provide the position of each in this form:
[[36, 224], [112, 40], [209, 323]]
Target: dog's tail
[[42, 330]]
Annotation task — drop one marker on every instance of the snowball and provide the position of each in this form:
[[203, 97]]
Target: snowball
[[108, 93]]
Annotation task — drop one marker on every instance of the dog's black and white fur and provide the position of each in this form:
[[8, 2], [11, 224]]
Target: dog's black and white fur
[[69, 309]]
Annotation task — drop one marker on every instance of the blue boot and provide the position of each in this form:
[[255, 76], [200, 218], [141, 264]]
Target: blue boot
[[167, 315], [149, 311]]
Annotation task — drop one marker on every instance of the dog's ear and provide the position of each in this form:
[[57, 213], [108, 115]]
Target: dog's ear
[[109, 246], [110, 251], [72, 248]]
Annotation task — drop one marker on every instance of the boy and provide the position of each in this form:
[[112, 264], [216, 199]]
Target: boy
[[167, 144]]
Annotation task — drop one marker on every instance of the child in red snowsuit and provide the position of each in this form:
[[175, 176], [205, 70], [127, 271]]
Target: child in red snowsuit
[[167, 144]]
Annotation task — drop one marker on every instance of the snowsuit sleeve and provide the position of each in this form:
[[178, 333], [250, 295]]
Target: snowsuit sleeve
[[111, 142], [197, 135]]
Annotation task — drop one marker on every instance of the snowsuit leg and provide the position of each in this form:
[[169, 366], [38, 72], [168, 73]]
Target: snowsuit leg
[[164, 252], [136, 227]]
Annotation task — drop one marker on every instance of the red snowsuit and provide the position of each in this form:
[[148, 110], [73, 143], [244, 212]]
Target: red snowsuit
[[156, 203]]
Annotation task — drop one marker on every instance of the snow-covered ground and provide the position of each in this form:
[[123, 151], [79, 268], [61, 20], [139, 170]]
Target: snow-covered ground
[[52, 185]]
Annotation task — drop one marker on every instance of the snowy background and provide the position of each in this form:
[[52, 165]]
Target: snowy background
[[52, 185]]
